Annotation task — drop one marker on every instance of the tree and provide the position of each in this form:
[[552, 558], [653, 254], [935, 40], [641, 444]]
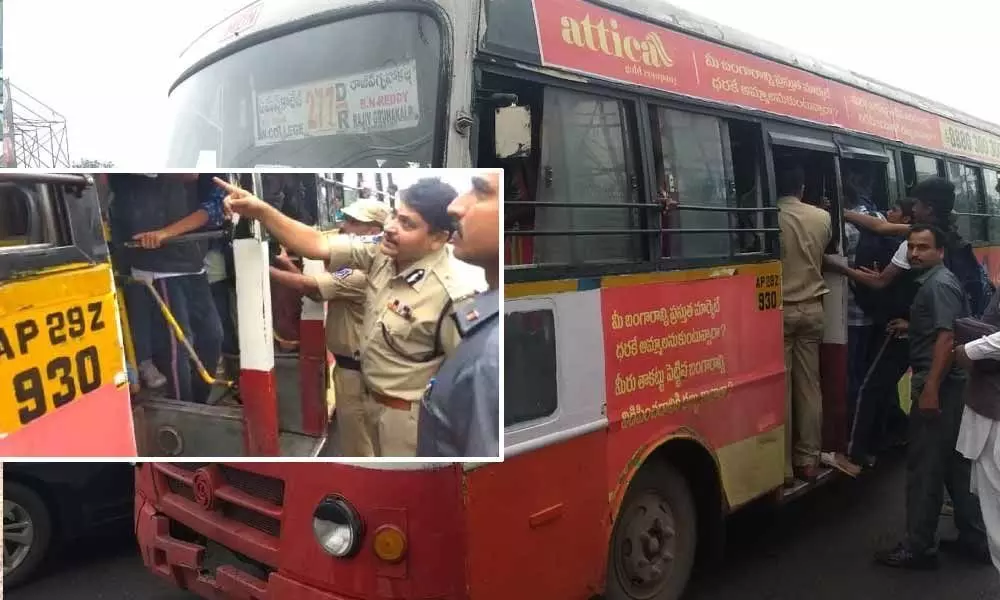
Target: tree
[[88, 163]]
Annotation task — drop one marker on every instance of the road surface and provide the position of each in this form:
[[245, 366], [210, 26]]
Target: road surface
[[819, 547]]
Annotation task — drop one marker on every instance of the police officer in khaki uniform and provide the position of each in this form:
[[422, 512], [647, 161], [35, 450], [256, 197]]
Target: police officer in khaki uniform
[[344, 291], [460, 413], [412, 284]]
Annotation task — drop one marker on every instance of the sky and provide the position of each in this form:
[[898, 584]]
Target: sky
[[106, 64]]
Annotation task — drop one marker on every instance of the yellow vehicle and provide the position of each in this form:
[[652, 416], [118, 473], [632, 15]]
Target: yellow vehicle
[[63, 382]]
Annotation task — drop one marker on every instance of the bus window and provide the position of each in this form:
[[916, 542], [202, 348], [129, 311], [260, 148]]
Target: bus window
[[26, 216], [584, 161], [238, 109], [865, 173], [567, 188], [892, 183], [520, 170], [992, 189], [691, 170], [747, 153], [968, 202], [530, 381], [917, 168]]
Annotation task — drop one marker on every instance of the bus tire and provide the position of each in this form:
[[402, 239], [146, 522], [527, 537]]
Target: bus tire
[[22, 504], [654, 539]]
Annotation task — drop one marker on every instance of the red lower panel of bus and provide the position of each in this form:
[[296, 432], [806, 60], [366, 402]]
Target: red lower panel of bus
[[313, 372], [260, 403], [98, 424], [540, 517], [264, 512], [180, 562]]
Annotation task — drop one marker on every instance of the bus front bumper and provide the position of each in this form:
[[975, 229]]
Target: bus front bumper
[[181, 563]]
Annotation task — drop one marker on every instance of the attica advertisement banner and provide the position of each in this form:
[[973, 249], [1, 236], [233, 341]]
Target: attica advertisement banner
[[579, 36]]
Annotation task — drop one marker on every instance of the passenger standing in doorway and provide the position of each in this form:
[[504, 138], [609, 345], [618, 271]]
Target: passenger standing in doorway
[[413, 282], [345, 291], [878, 418], [937, 400], [460, 413], [219, 271], [806, 232], [859, 324], [155, 209]]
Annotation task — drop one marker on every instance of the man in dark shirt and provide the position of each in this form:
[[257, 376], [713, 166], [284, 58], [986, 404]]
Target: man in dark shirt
[[936, 413], [152, 209], [460, 412]]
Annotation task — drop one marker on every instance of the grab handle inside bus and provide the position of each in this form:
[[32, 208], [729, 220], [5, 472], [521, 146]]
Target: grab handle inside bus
[[199, 236]]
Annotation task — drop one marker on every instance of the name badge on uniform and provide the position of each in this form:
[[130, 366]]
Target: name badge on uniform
[[370, 239], [342, 274], [415, 277], [403, 310]]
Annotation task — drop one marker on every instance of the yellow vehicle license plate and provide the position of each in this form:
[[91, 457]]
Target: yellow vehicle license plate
[[58, 342]]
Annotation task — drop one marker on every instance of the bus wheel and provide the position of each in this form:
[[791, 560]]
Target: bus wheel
[[653, 543], [27, 533]]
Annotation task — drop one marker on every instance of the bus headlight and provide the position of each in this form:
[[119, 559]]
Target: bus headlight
[[337, 526]]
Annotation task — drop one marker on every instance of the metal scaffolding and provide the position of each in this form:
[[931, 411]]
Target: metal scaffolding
[[34, 133]]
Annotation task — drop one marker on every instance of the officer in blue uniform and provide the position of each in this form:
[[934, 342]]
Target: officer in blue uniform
[[460, 411]]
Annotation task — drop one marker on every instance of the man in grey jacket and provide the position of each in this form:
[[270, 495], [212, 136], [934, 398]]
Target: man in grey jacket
[[460, 412]]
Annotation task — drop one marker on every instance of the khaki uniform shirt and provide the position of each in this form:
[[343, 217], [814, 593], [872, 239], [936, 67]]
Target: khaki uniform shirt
[[806, 231], [400, 329], [345, 292]]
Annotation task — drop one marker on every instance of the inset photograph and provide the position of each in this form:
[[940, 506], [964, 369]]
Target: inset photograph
[[284, 313]]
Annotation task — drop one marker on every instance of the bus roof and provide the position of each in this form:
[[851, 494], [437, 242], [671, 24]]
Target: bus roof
[[263, 15]]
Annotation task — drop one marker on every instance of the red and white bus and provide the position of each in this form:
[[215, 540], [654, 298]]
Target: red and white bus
[[644, 368]]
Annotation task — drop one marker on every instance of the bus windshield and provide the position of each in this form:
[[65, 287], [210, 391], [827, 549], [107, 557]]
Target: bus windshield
[[359, 92]]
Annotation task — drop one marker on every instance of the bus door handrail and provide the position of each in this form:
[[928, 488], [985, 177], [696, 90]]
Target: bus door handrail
[[207, 377], [49, 178]]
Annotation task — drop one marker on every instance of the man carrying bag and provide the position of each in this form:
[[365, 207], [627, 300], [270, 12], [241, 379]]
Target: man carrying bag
[[978, 351]]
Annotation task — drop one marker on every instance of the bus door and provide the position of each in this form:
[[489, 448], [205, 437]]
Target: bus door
[[301, 361], [818, 154], [63, 383], [267, 419], [862, 163]]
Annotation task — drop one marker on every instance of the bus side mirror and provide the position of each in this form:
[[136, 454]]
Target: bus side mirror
[[512, 131]]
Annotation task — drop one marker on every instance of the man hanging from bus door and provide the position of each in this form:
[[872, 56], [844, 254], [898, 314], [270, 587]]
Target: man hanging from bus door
[[806, 232], [878, 417], [219, 270], [460, 412], [858, 198], [413, 283], [938, 386], [156, 208], [345, 293], [139, 305]]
